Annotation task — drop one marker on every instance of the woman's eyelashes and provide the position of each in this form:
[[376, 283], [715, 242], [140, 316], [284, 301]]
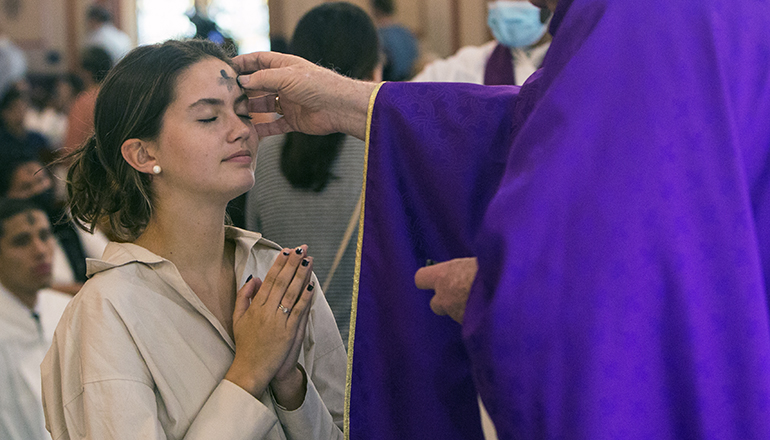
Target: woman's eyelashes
[[245, 117]]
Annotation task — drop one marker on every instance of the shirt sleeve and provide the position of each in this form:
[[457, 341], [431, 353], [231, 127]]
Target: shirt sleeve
[[125, 409], [312, 420]]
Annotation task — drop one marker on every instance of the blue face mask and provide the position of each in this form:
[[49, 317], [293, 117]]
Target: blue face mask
[[515, 23]]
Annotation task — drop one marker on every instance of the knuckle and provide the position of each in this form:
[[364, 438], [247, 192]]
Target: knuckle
[[281, 283]]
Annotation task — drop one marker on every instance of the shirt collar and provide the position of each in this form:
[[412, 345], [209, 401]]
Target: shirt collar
[[121, 254], [12, 310]]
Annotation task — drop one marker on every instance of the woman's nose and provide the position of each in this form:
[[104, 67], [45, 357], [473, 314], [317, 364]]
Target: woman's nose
[[240, 130]]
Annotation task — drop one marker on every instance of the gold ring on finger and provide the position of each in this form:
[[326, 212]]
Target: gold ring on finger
[[278, 108]]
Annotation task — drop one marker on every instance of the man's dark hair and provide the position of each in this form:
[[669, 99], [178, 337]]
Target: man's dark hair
[[10, 96], [97, 62], [100, 14], [545, 14], [12, 207], [8, 170], [386, 7]]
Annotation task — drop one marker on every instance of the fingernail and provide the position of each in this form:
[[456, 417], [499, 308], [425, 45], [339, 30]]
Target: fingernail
[[286, 252], [249, 278], [305, 262], [243, 79], [298, 250], [310, 287]]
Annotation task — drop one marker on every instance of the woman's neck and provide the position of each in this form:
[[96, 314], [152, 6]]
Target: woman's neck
[[191, 235]]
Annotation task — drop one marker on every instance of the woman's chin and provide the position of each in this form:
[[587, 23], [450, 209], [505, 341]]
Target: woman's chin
[[241, 188]]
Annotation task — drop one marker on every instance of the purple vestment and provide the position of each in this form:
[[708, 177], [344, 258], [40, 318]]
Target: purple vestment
[[411, 375], [499, 68], [621, 291]]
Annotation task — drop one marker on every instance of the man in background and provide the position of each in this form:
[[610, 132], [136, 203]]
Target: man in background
[[29, 313], [102, 33], [95, 64], [398, 42], [27, 178], [517, 51]]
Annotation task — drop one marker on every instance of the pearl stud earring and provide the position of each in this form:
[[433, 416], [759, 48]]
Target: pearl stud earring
[[156, 169]]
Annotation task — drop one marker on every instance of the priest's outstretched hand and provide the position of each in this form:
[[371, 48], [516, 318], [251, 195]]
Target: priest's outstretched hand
[[311, 99]]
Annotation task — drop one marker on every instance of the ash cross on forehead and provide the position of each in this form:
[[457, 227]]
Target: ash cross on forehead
[[227, 80]]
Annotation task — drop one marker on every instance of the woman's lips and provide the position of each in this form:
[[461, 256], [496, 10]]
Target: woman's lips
[[243, 156]]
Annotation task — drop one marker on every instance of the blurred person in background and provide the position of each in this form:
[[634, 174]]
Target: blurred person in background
[[103, 33], [319, 176], [49, 117], [29, 312], [15, 140], [27, 178], [520, 44], [398, 43], [13, 63], [95, 64]]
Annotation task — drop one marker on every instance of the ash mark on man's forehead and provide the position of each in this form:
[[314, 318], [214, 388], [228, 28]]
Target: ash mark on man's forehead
[[227, 80]]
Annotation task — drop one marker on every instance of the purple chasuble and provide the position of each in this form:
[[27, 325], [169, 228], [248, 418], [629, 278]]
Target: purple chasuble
[[427, 188], [623, 262], [622, 289], [499, 68]]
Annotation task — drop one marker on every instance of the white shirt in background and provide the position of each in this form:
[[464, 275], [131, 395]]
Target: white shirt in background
[[93, 247], [116, 42], [470, 62], [24, 341]]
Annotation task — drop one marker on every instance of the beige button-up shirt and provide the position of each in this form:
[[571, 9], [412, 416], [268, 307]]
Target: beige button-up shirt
[[138, 356]]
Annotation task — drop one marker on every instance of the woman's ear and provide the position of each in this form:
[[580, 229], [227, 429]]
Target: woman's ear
[[137, 154]]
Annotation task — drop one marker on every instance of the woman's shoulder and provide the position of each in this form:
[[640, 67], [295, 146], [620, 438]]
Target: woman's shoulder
[[105, 292]]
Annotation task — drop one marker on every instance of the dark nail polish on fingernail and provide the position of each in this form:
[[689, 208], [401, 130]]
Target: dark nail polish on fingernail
[[305, 262], [286, 252], [310, 287], [249, 278], [298, 251]]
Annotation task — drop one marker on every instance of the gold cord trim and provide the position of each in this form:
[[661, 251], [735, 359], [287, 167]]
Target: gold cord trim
[[357, 274]]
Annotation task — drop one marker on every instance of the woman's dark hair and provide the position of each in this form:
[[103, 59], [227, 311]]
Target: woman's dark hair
[[97, 62], [100, 14], [131, 104], [341, 37]]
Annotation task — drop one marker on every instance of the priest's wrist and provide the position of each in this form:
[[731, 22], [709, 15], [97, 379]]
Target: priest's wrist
[[353, 107], [289, 391]]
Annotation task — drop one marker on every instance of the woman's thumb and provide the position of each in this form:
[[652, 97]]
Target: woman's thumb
[[244, 296]]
